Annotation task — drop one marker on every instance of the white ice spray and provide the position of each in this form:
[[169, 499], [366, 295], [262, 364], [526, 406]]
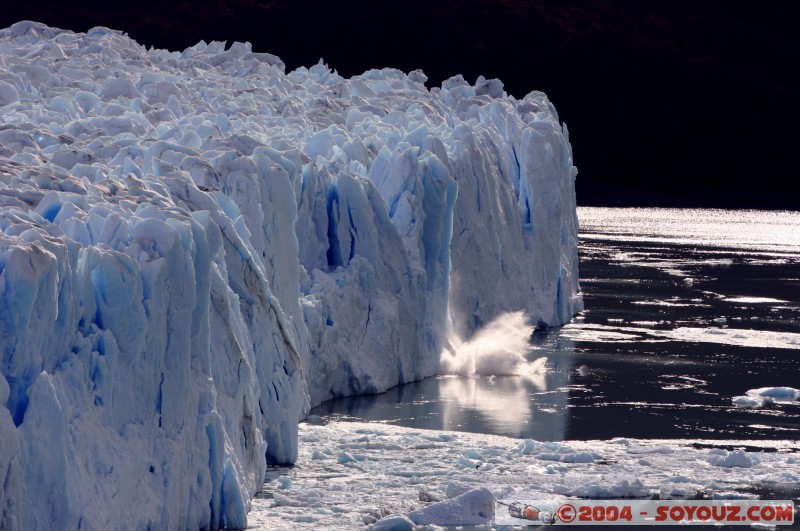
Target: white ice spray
[[497, 348]]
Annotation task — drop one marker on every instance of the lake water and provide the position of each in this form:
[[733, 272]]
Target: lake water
[[685, 309]]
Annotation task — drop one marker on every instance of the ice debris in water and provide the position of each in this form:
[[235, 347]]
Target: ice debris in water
[[787, 393], [474, 507], [512, 470], [747, 401], [755, 398], [198, 246], [734, 459]]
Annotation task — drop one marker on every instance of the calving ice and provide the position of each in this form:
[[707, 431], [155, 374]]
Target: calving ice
[[198, 246]]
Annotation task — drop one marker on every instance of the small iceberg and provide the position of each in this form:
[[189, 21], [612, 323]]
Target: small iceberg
[[755, 398]]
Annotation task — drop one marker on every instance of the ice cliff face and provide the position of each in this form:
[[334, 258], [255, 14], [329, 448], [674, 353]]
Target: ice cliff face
[[196, 247]]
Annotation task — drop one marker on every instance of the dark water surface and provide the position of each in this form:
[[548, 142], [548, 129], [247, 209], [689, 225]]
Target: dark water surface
[[685, 309]]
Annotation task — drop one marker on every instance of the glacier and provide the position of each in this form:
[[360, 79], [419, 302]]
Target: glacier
[[198, 246]]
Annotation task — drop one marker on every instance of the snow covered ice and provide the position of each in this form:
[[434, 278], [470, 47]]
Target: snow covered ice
[[197, 247]]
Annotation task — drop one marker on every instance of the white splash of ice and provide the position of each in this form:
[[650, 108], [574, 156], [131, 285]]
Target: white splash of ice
[[497, 348]]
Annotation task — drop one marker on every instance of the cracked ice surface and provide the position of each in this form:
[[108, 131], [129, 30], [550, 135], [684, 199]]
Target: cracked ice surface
[[197, 246]]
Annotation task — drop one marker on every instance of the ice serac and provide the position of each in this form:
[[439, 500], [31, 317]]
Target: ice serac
[[515, 226], [196, 247]]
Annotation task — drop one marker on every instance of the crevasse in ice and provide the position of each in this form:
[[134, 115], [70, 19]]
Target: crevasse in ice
[[196, 247]]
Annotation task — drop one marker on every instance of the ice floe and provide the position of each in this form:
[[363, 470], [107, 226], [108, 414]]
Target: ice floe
[[394, 465]]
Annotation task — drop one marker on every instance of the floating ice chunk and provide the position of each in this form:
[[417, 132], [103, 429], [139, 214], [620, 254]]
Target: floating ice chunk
[[426, 496], [748, 401], [787, 393], [287, 501], [397, 522], [474, 507], [318, 455], [766, 395], [464, 462], [735, 459], [577, 457], [621, 489], [528, 447], [672, 491], [344, 458]]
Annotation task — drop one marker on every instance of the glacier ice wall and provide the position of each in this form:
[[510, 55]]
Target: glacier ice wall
[[196, 247]]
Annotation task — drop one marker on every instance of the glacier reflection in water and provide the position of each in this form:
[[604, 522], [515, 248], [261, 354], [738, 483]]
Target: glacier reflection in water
[[531, 405]]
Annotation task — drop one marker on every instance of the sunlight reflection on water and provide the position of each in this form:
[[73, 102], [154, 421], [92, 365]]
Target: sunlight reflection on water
[[753, 230]]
